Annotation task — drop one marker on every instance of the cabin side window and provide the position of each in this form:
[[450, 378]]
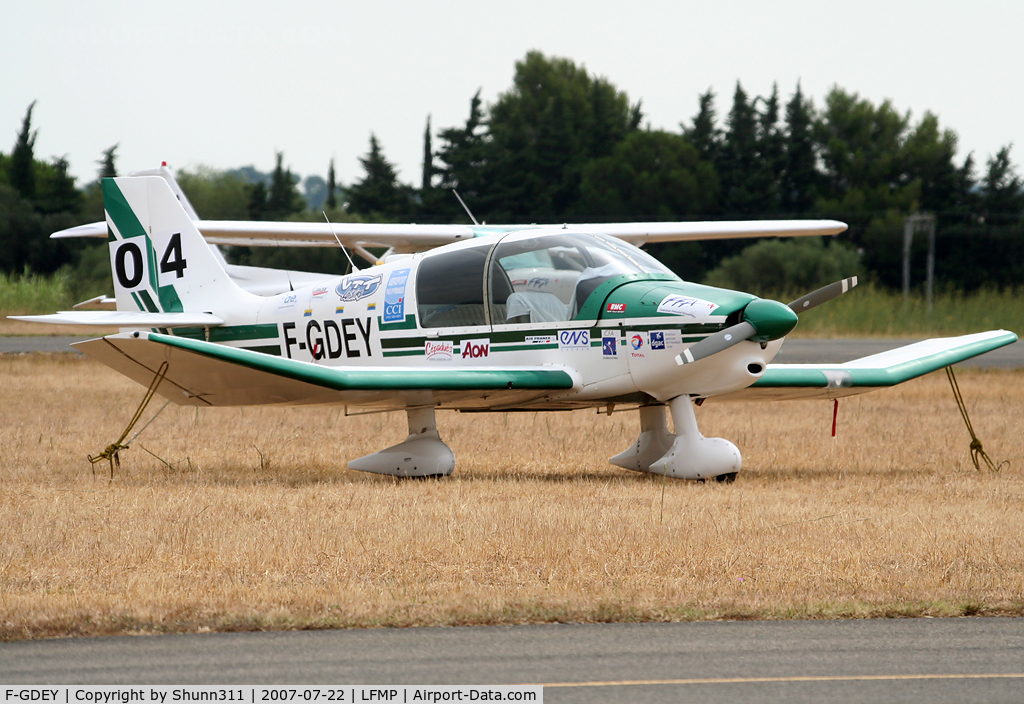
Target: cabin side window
[[450, 288]]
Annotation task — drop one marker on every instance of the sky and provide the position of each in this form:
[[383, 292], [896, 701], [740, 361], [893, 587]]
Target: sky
[[224, 84]]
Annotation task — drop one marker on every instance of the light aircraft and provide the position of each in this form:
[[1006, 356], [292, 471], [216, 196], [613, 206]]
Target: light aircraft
[[468, 318]]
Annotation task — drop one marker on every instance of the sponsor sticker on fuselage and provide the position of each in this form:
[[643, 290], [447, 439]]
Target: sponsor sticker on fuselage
[[688, 306], [573, 339], [540, 339], [657, 340], [610, 346], [439, 350], [475, 349], [394, 296], [356, 286]]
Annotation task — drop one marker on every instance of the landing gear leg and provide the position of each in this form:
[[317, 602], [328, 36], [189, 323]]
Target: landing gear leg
[[684, 455], [422, 454]]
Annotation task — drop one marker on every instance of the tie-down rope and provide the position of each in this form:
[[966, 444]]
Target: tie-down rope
[[112, 450], [977, 451]]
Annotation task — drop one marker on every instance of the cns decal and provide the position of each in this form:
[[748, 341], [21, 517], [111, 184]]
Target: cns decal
[[573, 339], [356, 286], [351, 337]]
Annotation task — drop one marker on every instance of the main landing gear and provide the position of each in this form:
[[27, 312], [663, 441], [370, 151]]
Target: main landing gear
[[685, 454], [422, 454]]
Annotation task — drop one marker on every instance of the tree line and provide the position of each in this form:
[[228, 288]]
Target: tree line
[[563, 145]]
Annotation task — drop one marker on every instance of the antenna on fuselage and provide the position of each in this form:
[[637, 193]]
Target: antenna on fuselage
[[338, 240], [465, 206]]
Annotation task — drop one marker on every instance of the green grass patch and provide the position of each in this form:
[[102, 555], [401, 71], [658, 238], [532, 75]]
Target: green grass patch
[[28, 293], [871, 312]]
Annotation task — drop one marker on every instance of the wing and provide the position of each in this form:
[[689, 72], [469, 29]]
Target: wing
[[207, 374], [803, 381], [124, 319], [416, 238]]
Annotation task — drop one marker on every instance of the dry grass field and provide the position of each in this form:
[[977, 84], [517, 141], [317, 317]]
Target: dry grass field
[[247, 518]]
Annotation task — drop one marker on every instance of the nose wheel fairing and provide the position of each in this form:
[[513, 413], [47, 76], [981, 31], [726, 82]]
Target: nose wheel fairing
[[685, 454]]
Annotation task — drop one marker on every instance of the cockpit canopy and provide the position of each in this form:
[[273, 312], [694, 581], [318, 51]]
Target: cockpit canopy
[[524, 277]]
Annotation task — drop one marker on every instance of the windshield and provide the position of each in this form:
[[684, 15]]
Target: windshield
[[546, 278]]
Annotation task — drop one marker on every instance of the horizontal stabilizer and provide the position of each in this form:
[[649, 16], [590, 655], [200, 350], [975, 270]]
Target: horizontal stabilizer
[[805, 381], [209, 374], [124, 319]]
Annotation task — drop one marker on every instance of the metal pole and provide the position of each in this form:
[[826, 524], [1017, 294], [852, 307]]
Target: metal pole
[[930, 286], [908, 236]]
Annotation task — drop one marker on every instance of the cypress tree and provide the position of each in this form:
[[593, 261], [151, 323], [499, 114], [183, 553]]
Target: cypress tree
[[22, 173], [800, 177], [428, 160], [332, 186]]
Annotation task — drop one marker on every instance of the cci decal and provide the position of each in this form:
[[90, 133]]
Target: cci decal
[[609, 346], [394, 297], [616, 307], [573, 339], [657, 340], [356, 286], [475, 349], [439, 350], [331, 338], [695, 308]]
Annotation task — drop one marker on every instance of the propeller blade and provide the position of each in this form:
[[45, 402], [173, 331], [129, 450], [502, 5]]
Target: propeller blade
[[713, 344], [823, 295]]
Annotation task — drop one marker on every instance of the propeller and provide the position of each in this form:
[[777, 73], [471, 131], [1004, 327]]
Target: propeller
[[763, 320]]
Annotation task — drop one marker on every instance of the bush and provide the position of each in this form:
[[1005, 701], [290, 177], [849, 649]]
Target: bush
[[795, 265]]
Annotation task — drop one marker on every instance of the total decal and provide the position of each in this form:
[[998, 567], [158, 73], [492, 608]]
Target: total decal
[[636, 345], [573, 339], [439, 350], [394, 296], [351, 337], [356, 286], [688, 306], [475, 349]]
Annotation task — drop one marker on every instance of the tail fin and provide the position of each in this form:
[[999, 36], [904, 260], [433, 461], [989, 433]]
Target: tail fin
[[159, 261]]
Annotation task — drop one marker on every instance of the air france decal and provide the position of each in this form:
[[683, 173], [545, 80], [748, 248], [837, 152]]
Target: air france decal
[[609, 346], [331, 338], [475, 349], [688, 306], [394, 296], [439, 350], [573, 339], [356, 286]]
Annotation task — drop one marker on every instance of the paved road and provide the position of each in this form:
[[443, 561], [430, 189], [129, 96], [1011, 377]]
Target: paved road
[[908, 660], [793, 351]]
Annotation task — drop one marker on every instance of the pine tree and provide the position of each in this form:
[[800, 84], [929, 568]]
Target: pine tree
[[284, 198], [379, 191], [738, 164], [22, 173], [705, 134], [107, 167], [1002, 190], [799, 181]]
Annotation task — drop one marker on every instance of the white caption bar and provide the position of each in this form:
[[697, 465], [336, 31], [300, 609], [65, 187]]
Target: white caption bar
[[248, 694]]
